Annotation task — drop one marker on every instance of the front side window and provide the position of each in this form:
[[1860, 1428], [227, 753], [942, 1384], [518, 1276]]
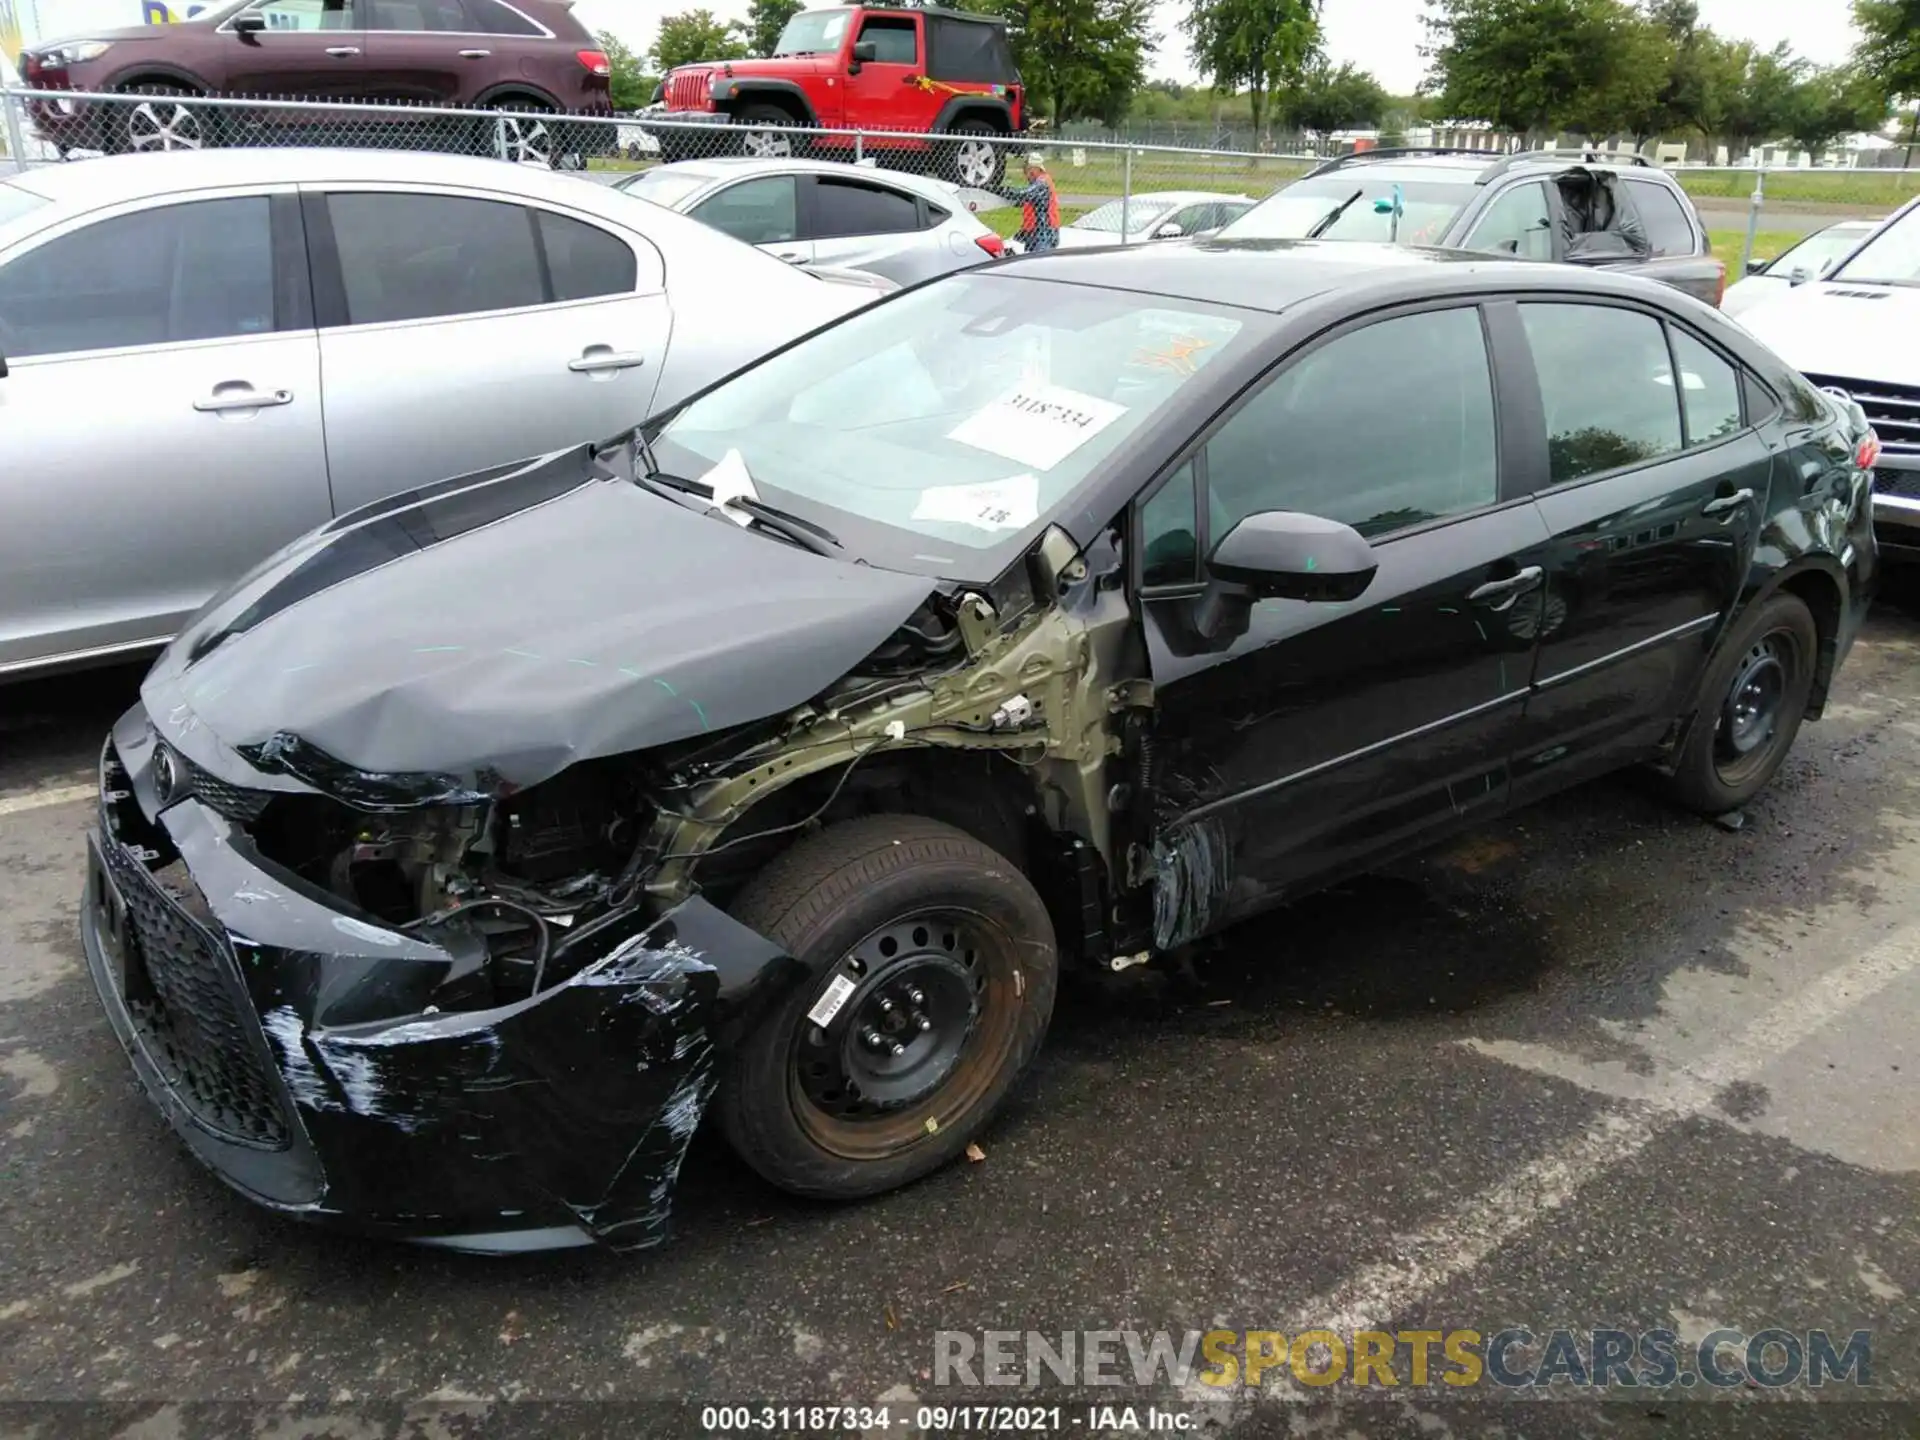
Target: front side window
[[308, 15], [1170, 551], [1669, 231], [852, 207], [956, 418], [176, 273], [813, 32], [893, 41], [1388, 426], [1364, 200], [759, 212], [1517, 222], [1607, 385], [417, 257]]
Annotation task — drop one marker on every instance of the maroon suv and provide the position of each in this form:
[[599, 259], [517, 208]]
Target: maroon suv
[[518, 55]]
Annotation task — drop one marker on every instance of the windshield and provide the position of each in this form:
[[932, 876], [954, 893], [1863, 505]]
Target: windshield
[[1890, 258], [938, 430], [15, 202], [816, 32], [665, 187], [1428, 209], [1816, 252], [1108, 217]]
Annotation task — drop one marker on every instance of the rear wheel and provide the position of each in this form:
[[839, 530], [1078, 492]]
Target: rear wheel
[[934, 969], [976, 156], [1751, 705], [530, 137], [765, 132]]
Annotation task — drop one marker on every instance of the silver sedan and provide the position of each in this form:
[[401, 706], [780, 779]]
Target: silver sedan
[[904, 227], [207, 354]]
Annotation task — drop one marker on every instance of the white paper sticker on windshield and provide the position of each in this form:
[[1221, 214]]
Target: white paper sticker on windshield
[[1011, 504], [1037, 425]]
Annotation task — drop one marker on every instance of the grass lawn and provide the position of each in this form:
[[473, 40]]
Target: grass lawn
[[1727, 245], [1839, 187]]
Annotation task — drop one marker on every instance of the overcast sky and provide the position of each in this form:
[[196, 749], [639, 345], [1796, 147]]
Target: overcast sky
[[1378, 35]]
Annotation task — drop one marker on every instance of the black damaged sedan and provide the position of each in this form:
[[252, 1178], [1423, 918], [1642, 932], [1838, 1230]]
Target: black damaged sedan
[[770, 761]]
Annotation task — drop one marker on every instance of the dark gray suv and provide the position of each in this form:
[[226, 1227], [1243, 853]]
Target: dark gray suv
[[1580, 207]]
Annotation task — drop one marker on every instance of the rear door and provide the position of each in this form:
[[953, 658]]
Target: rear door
[[423, 51], [1653, 492], [1331, 735], [764, 211], [871, 226], [160, 427], [461, 330]]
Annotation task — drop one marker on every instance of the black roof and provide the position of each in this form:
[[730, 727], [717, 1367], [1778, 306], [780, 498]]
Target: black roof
[[1268, 275], [945, 14]]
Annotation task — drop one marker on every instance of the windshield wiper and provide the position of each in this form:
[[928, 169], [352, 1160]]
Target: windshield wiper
[[1327, 221], [802, 532]]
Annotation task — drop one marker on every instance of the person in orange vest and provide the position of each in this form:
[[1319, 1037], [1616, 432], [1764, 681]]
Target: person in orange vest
[[1039, 206]]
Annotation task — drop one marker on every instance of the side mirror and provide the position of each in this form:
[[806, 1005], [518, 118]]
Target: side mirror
[[1758, 267], [1282, 555], [1169, 231], [249, 22], [1800, 276], [863, 54]]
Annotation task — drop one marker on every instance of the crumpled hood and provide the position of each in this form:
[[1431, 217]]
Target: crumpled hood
[[488, 632], [1836, 327]]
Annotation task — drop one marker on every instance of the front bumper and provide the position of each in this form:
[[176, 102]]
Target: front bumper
[[291, 1045]]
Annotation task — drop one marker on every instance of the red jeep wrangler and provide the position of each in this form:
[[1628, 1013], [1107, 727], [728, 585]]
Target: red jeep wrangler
[[908, 72]]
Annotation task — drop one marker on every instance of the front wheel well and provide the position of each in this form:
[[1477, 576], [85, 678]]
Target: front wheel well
[[148, 79], [776, 99]]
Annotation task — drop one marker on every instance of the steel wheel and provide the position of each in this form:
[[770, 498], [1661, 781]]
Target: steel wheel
[[164, 124], [1750, 714], [922, 1030]]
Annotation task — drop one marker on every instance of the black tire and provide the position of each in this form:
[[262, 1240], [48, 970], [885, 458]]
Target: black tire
[[914, 914], [758, 128], [162, 118], [961, 156], [1751, 703]]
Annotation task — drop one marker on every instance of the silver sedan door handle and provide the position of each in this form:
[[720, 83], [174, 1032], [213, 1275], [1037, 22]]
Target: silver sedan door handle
[[243, 400], [343, 52], [1508, 590], [598, 364], [475, 54], [1721, 504]]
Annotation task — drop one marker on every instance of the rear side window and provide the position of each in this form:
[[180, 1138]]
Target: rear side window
[[490, 18], [202, 271], [1385, 427], [1607, 384], [437, 16], [1661, 211], [759, 212], [414, 257], [1709, 390], [894, 41], [583, 260], [968, 50], [851, 207]]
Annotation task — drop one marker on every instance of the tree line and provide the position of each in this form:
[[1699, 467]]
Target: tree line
[[1594, 68]]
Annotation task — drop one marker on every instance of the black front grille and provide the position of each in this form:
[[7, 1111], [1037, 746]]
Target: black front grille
[[1904, 483], [182, 991], [231, 801], [1892, 410]]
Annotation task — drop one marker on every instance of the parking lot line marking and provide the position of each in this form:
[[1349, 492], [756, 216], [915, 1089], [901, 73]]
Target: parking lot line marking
[[1429, 1260], [46, 798]]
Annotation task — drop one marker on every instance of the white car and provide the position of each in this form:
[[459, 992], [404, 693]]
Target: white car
[[906, 228], [1155, 215], [205, 354], [1808, 260], [1854, 329]]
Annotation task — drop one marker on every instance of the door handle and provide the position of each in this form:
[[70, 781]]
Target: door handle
[[1508, 590], [343, 52], [600, 364], [1721, 504], [244, 400], [475, 54]]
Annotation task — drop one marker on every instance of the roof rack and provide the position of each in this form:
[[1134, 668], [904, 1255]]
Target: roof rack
[[1394, 152], [1590, 156]]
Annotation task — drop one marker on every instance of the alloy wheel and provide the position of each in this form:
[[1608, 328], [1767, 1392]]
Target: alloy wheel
[[975, 163], [522, 140], [164, 125], [766, 145]]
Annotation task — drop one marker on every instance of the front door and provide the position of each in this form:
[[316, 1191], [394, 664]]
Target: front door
[[763, 211], [460, 332], [1653, 490], [886, 93], [311, 48], [1329, 735], [160, 424]]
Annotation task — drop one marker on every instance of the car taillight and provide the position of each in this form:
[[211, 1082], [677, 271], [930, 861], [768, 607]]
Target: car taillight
[[594, 60], [1720, 287], [992, 244], [1868, 453]]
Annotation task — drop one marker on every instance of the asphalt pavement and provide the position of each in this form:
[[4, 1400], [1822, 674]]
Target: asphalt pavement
[[1598, 1064]]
